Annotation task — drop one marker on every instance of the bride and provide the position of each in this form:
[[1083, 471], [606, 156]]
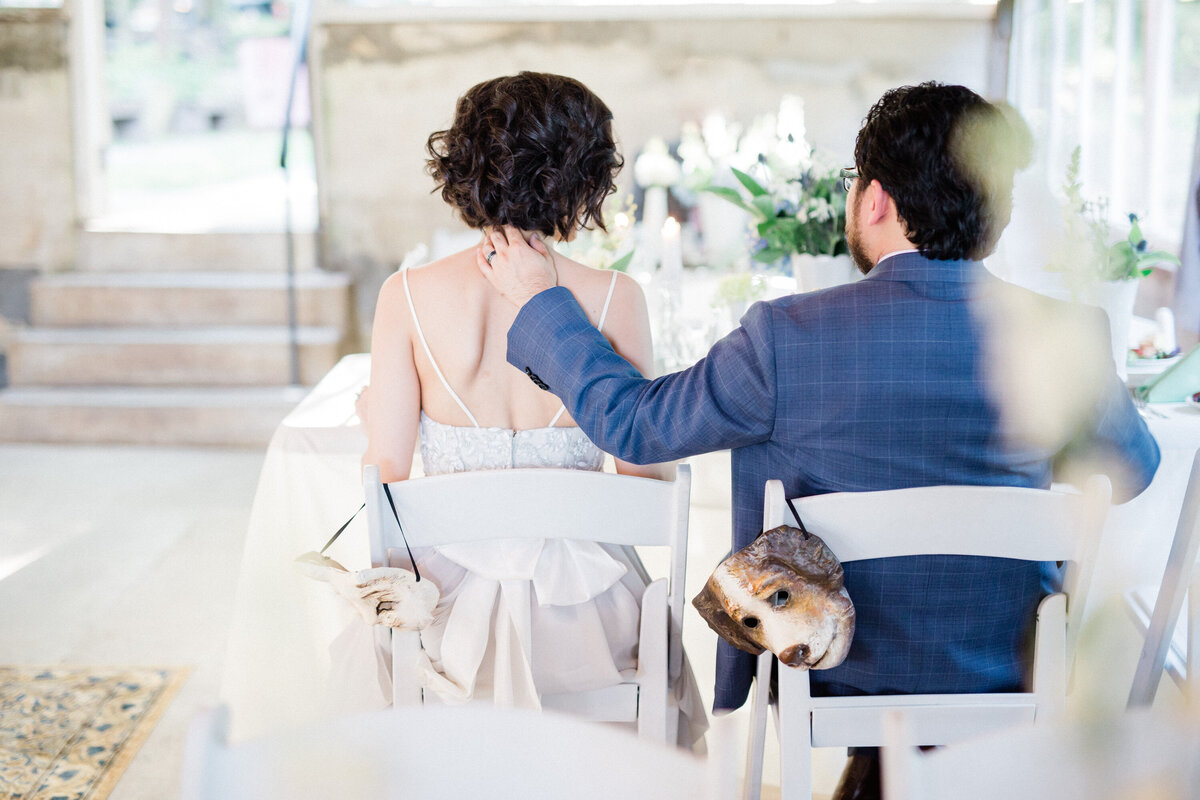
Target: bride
[[536, 152]]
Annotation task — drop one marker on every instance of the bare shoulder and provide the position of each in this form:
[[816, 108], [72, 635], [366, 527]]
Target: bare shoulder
[[591, 288], [428, 284], [628, 302], [391, 308]]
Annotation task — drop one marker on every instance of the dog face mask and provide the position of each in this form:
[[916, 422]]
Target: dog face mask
[[784, 592]]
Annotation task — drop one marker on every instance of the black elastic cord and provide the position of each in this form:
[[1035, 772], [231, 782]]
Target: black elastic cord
[[403, 538], [346, 524], [391, 503], [796, 514]]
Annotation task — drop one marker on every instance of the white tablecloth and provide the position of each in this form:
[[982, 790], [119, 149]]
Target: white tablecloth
[[283, 622], [1138, 534]]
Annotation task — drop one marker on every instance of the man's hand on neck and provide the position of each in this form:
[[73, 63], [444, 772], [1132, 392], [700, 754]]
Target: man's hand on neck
[[516, 267]]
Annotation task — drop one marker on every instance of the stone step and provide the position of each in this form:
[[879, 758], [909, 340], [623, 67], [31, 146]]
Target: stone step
[[154, 356], [132, 251], [187, 298], [240, 417]]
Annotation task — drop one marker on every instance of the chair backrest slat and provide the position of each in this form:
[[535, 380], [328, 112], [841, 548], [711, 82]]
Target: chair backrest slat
[[1000, 521], [994, 521], [524, 504]]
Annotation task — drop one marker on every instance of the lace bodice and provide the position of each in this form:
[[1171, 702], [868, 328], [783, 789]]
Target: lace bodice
[[451, 448]]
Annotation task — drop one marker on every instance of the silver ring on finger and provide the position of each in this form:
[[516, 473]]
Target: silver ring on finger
[[489, 257]]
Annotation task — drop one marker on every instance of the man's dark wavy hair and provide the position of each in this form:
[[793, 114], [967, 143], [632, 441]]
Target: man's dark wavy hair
[[533, 150], [947, 158]]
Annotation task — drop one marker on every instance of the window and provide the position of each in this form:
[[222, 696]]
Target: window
[[1118, 79]]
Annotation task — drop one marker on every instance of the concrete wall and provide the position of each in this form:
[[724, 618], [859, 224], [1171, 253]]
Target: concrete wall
[[382, 85], [37, 185]]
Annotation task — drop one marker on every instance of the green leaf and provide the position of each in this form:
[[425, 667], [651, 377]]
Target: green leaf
[[769, 254], [731, 195], [751, 185], [1159, 257], [1135, 233], [765, 206], [789, 225], [622, 263]]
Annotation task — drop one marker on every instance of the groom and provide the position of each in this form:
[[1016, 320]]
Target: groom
[[879, 384]]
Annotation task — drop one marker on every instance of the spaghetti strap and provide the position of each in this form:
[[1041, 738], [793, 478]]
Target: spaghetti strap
[[421, 335], [607, 302], [599, 326]]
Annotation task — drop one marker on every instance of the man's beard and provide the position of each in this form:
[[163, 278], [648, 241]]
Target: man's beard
[[854, 241]]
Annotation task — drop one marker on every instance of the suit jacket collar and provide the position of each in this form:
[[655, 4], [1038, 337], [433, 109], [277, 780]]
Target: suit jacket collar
[[916, 268]]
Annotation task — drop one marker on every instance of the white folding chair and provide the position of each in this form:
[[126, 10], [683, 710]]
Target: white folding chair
[[1169, 644], [437, 751], [552, 503], [1008, 522]]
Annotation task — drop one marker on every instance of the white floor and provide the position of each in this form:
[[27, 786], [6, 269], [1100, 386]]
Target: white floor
[[122, 555], [129, 555]]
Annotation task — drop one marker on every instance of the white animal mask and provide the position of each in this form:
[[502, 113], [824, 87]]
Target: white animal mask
[[784, 592]]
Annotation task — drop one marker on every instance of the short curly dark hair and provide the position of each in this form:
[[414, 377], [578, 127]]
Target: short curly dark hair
[[947, 158], [533, 150]]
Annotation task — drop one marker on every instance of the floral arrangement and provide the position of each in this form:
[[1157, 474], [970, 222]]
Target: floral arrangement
[[796, 201], [804, 215], [1089, 252]]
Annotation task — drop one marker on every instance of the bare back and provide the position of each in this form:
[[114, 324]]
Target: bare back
[[465, 323]]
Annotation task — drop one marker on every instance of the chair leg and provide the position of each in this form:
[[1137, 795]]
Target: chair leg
[[898, 759], [756, 747], [1191, 661], [1050, 658], [795, 735], [653, 705], [406, 681]]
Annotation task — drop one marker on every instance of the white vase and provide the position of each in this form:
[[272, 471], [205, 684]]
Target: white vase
[[1117, 299], [723, 227], [820, 272]]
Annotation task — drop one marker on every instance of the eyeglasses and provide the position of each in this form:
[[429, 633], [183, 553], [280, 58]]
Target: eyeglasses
[[849, 176]]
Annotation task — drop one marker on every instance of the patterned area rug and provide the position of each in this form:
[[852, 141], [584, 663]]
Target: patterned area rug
[[67, 733]]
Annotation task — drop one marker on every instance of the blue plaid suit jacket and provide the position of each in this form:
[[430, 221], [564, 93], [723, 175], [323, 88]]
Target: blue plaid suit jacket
[[867, 386]]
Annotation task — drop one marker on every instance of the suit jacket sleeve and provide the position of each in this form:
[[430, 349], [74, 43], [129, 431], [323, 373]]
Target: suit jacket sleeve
[[725, 400], [1119, 433]]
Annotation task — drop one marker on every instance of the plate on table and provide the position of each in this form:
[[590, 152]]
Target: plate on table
[[1135, 365]]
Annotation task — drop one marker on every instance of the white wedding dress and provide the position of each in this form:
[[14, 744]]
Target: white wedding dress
[[517, 619], [522, 619]]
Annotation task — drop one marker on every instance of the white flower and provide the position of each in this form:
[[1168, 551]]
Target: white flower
[[820, 209], [758, 140], [792, 153], [791, 118], [692, 150], [823, 163], [720, 138], [790, 192], [655, 166]]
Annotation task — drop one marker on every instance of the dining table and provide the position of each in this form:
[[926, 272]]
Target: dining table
[[285, 626]]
